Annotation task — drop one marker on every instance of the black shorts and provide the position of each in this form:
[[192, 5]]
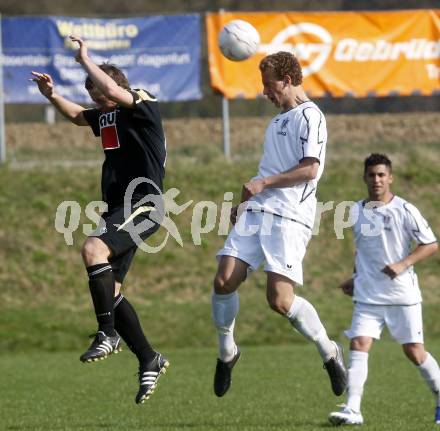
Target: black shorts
[[122, 235]]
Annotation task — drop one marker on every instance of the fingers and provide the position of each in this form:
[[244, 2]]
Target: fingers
[[74, 38], [41, 76], [346, 289], [348, 292], [233, 215], [389, 271], [245, 194]]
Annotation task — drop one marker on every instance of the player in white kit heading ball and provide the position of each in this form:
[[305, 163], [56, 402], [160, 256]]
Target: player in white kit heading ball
[[274, 222]]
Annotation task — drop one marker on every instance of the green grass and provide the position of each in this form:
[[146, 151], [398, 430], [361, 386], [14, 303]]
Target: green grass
[[274, 388], [43, 281]]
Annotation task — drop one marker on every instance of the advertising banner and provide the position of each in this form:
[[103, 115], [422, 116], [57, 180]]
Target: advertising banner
[[159, 53], [355, 54]]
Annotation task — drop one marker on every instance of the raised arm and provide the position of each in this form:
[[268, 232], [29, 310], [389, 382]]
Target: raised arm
[[72, 111], [106, 85]]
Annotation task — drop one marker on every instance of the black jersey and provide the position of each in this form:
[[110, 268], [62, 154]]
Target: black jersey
[[134, 146]]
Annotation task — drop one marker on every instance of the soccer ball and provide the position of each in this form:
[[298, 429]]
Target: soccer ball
[[238, 40]]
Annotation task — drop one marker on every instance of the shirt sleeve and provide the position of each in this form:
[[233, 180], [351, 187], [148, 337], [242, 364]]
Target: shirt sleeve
[[144, 104], [312, 133], [92, 117], [417, 226]]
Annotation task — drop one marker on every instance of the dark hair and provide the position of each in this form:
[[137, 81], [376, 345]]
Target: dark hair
[[377, 159], [114, 72], [283, 63]]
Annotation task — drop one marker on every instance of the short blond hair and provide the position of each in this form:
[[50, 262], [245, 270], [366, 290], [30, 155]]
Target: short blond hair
[[283, 63]]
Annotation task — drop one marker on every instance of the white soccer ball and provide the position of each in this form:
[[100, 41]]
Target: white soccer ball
[[238, 40]]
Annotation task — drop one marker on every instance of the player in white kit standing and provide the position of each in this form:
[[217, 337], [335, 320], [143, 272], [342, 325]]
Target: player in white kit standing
[[384, 286], [274, 222]]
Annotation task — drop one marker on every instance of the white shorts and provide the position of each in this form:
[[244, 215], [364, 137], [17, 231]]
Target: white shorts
[[280, 242], [404, 322]]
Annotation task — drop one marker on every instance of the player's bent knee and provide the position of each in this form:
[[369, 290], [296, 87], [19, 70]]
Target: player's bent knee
[[415, 352], [277, 305], [94, 251], [361, 344], [223, 285]]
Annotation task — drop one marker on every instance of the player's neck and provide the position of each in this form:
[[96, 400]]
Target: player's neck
[[384, 199], [297, 98]]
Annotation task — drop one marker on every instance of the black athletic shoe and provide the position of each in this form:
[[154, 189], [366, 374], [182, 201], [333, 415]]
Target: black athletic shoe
[[149, 375], [222, 378], [337, 372], [101, 347]]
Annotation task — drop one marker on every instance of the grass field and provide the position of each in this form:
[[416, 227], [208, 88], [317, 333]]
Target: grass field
[[274, 388]]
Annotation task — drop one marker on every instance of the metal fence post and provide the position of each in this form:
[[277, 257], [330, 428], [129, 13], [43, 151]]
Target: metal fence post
[[226, 128]]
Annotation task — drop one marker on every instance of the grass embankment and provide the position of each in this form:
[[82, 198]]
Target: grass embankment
[[44, 296]]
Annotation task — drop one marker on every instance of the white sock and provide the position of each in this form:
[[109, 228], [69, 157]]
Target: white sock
[[304, 318], [430, 371], [357, 376], [224, 311]]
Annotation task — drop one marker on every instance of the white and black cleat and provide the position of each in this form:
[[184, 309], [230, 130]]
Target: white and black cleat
[[102, 347], [345, 416], [337, 371], [148, 377]]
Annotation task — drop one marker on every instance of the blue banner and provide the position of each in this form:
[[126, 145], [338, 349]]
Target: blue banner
[[160, 54]]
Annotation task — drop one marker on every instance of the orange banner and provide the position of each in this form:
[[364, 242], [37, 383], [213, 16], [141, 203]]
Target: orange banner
[[354, 54]]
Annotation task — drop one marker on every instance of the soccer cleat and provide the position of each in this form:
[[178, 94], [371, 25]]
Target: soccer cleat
[[346, 416], [222, 378], [149, 375], [336, 370], [102, 346], [437, 415]]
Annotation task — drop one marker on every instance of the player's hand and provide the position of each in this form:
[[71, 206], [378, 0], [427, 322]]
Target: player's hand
[[44, 82], [252, 188], [347, 287], [236, 212], [394, 269], [233, 215], [81, 54]]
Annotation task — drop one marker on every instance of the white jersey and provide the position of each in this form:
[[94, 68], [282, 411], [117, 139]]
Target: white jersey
[[290, 137], [383, 236]]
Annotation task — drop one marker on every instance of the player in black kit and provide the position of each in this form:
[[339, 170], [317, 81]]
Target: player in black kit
[[133, 141]]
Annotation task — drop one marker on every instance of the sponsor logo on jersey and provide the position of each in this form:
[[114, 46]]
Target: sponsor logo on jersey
[[283, 131], [109, 133]]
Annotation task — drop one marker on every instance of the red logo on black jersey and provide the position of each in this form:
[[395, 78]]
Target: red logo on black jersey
[[109, 133]]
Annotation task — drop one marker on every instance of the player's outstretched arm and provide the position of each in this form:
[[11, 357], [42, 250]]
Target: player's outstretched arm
[[422, 252], [68, 109], [106, 85]]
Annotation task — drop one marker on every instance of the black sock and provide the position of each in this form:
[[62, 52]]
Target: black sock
[[129, 328], [102, 289]]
